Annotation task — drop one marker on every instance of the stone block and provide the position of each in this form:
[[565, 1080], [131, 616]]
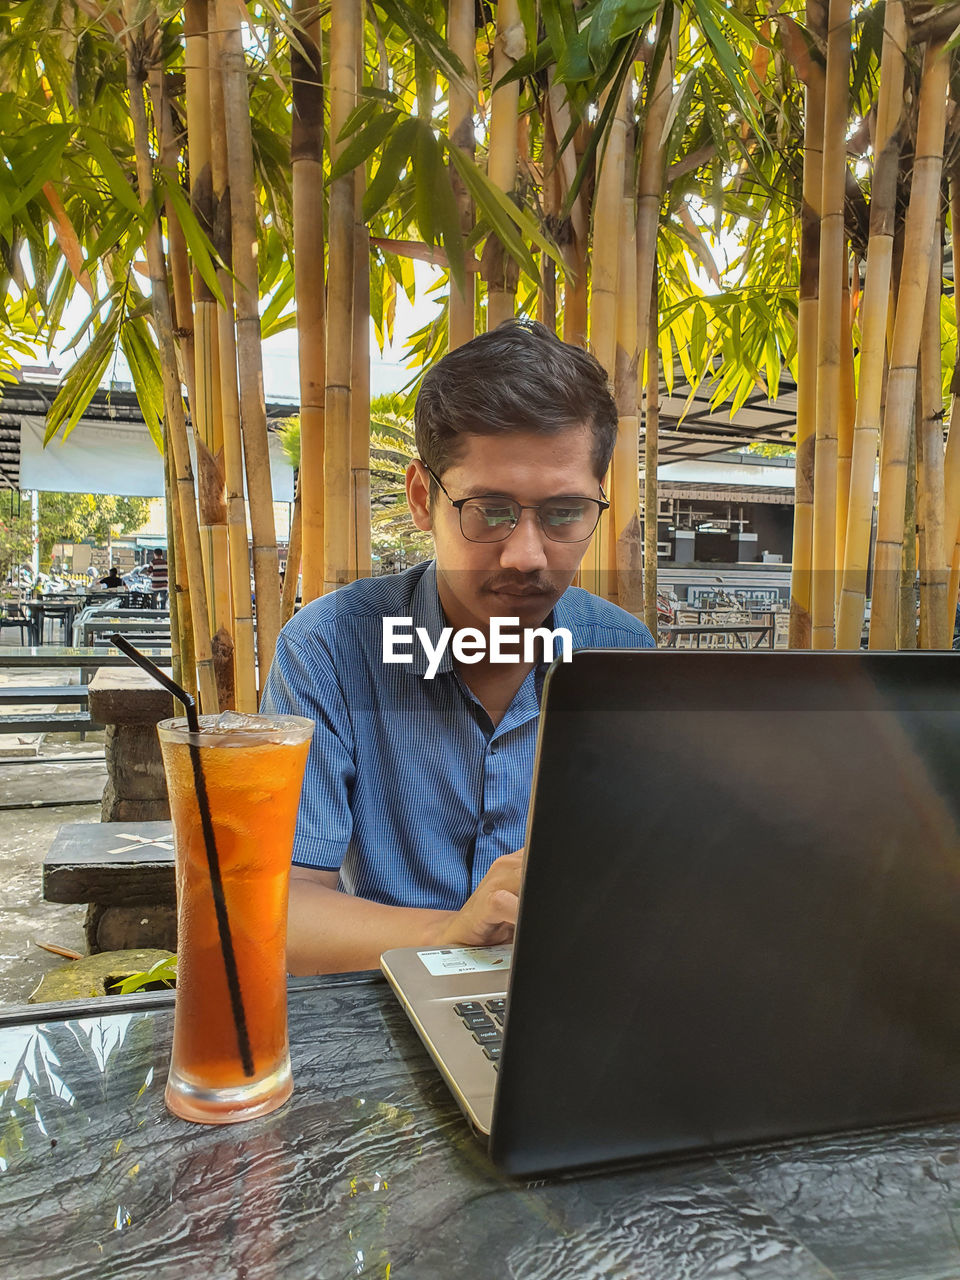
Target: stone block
[[127, 695], [134, 763], [92, 975], [116, 809], [130, 928]]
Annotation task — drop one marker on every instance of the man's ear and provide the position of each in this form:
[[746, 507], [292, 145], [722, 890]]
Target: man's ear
[[418, 495]]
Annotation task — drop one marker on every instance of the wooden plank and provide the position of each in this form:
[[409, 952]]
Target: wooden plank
[[122, 864], [48, 722], [25, 694], [50, 655]]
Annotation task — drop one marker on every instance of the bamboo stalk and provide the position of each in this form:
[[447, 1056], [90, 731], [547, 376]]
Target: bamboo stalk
[[173, 403], [306, 155], [345, 35], [598, 570], [906, 596], [573, 237], [930, 529], [874, 312], [650, 178], [253, 419], [205, 403], [244, 651], [179, 259], [510, 44], [807, 312], [846, 417], [951, 463], [360, 553], [181, 639], [829, 326], [651, 450], [547, 293], [625, 486], [288, 597], [918, 244], [461, 37]]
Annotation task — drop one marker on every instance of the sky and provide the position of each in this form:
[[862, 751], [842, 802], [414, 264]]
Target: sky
[[388, 372]]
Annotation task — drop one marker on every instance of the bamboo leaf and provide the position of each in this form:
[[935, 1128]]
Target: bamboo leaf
[[395, 155], [535, 60], [698, 338], [119, 182], [505, 217], [358, 117], [364, 144], [438, 194], [272, 320], [611, 20], [573, 64], [426, 38], [621, 69], [78, 386], [144, 361], [711, 14], [35, 157], [201, 250]]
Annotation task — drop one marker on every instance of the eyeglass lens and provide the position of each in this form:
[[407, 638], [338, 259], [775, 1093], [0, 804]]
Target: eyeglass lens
[[562, 519]]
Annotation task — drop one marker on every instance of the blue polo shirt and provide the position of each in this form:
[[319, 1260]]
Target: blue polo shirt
[[410, 791]]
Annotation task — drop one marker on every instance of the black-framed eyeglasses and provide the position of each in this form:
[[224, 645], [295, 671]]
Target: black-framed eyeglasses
[[491, 518]]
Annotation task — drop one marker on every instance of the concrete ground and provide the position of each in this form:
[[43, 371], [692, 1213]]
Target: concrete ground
[[37, 795]]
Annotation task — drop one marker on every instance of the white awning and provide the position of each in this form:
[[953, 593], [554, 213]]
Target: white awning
[[117, 458]]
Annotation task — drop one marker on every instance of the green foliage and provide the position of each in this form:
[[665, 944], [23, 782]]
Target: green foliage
[[733, 170], [163, 972], [64, 517]]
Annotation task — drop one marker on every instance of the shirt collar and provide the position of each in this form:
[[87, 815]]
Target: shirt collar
[[426, 612]]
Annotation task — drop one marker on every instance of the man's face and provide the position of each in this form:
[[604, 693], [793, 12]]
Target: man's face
[[524, 575]]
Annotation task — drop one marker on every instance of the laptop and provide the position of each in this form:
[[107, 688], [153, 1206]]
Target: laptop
[[740, 918]]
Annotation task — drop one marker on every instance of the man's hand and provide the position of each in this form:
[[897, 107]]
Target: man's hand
[[489, 915]]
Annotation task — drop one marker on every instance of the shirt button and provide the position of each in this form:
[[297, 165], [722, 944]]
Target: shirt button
[[489, 827], [495, 745]]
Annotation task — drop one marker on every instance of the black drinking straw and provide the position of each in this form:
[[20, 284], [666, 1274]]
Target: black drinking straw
[[213, 862]]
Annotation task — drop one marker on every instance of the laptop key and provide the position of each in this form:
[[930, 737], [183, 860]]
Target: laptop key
[[497, 1006], [468, 1006], [476, 1021], [492, 1051], [485, 1036]]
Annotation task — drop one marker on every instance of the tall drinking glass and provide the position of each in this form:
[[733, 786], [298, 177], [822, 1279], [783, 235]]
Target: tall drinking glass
[[234, 790]]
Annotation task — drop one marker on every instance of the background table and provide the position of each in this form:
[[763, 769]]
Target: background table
[[371, 1165]]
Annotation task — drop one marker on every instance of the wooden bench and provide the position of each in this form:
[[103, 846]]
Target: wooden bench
[[25, 694], [124, 871], [37, 721], [87, 659], [48, 722]]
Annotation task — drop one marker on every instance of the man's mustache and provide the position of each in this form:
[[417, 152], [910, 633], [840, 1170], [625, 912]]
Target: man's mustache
[[528, 584]]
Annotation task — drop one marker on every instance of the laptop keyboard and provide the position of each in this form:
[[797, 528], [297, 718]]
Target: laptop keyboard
[[484, 1020]]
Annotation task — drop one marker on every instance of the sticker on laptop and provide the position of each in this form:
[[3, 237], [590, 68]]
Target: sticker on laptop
[[466, 960]]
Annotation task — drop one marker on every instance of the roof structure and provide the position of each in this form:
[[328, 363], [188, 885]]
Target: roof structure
[[702, 431], [24, 405], [705, 430]]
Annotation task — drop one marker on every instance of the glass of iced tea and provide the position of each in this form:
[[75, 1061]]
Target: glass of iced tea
[[234, 790]]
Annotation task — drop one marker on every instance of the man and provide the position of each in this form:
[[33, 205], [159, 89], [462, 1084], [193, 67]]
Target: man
[[113, 578], [415, 800], [159, 580]]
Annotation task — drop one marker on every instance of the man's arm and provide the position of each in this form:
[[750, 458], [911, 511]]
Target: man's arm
[[333, 932]]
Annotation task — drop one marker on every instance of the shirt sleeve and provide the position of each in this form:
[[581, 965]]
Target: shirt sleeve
[[304, 683]]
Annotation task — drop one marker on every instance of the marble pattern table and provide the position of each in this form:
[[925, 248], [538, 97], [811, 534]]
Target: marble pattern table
[[370, 1171]]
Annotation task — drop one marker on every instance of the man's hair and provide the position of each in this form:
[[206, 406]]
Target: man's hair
[[518, 378]]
